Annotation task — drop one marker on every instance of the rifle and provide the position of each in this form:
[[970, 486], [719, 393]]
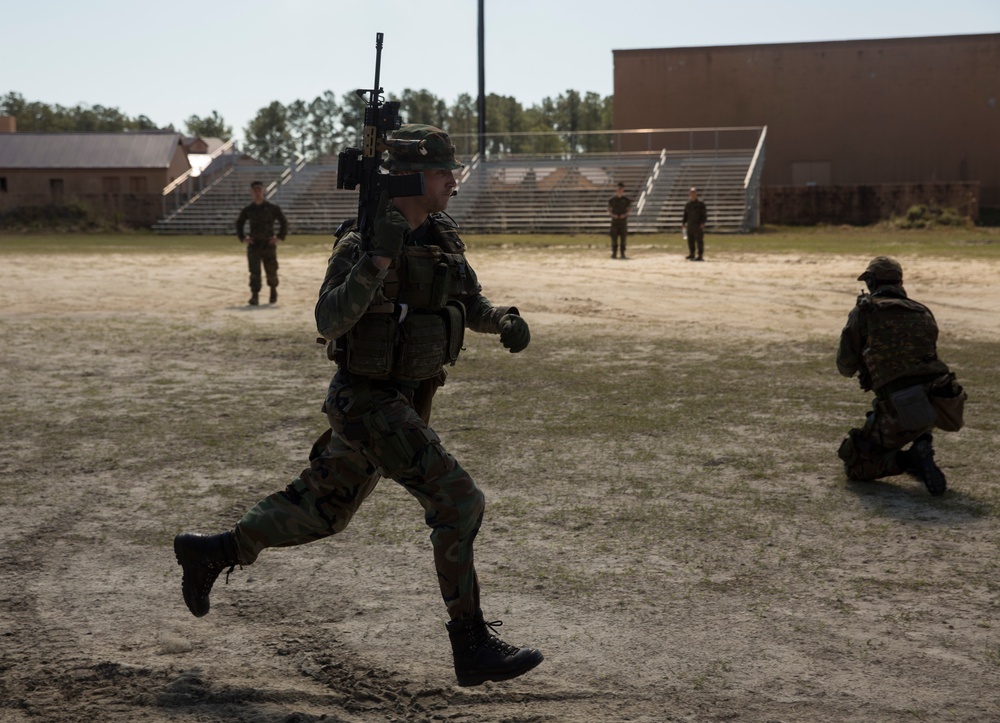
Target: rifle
[[361, 166]]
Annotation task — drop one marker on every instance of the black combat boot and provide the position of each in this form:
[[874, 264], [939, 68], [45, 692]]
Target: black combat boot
[[921, 463], [274, 295], [203, 557], [254, 300], [480, 655]]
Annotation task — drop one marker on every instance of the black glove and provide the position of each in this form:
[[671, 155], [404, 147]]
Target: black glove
[[390, 229], [514, 334]]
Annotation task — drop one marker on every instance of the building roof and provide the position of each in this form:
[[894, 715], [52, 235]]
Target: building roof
[[134, 149]]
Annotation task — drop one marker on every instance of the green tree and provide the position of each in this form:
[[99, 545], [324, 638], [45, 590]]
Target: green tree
[[422, 106], [463, 125], [352, 117], [268, 136], [325, 137], [297, 120], [212, 126], [504, 117], [37, 117]]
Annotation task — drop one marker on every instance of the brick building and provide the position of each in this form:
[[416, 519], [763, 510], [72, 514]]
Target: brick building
[[886, 114], [119, 176]]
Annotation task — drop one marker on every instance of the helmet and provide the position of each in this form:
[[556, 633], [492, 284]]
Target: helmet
[[883, 268], [417, 147]]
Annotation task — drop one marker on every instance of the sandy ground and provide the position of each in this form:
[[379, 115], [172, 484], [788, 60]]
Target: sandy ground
[[92, 626]]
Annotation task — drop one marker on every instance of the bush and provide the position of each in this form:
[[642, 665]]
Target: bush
[[74, 217], [928, 216]]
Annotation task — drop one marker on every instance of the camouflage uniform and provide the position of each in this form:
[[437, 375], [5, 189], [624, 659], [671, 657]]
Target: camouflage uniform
[[380, 423], [695, 216], [619, 205], [890, 341], [262, 218], [393, 309]]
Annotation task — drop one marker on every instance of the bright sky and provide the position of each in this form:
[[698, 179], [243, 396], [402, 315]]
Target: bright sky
[[169, 62]]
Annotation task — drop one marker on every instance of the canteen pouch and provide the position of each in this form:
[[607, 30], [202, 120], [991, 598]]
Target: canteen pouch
[[948, 398], [913, 408]]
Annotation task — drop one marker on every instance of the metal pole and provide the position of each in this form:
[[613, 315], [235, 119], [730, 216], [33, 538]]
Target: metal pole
[[481, 104]]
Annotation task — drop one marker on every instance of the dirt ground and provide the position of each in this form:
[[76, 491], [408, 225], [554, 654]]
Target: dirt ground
[[93, 627]]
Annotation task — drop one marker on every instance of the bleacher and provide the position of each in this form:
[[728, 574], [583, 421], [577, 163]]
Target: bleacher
[[215, 209], [719, 180], [311, 201], [553, 195], [546, 195]]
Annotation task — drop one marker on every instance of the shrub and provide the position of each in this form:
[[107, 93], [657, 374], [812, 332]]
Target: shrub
[[928, 216]]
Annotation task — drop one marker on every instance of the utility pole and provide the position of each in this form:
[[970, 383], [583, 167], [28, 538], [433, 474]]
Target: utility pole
[[481, 103]]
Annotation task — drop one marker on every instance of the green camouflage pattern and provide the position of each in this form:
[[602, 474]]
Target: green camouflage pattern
[[418, 147], [381, 429], [264, 255], [894, 339], [891, 337], [262, 218], [883, 268], [870, 453]]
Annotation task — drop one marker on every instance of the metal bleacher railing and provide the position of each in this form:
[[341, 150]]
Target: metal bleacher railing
[[525, 190]]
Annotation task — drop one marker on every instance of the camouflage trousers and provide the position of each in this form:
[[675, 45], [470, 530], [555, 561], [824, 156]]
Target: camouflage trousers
[[870, 453], [376, 433], [619, 231], [261, 252]]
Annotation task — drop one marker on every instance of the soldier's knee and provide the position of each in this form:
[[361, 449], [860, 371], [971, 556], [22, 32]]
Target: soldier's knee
[[851, 453]]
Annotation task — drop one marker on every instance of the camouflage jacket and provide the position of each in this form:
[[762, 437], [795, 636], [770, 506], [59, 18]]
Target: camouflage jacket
[[353, 282], [262, 218], [888, 338]]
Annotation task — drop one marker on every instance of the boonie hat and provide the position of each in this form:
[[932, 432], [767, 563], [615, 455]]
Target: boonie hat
[[428, 148], [883, 268]]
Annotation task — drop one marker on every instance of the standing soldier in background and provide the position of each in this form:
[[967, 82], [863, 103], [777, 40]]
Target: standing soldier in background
[[618, 208], [890, 342], [695, 216], [262, 243], [394, 311]]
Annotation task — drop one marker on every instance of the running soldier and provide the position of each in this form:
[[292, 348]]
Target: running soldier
[[394, 315]]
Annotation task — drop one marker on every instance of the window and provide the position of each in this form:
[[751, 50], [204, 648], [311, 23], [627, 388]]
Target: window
[[111, 184], [137, 184], [3, 184]]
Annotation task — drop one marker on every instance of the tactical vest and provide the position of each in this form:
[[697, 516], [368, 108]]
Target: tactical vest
[[430, 281], [901, 339]]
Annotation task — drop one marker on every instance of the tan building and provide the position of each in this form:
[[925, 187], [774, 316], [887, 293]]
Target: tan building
[[119, 176], [851, 113]]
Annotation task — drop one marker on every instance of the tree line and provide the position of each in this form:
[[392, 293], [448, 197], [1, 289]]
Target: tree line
[[309, 130]]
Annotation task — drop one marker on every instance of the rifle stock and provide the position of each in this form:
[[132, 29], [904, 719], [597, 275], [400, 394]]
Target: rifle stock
[[362, 166]]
